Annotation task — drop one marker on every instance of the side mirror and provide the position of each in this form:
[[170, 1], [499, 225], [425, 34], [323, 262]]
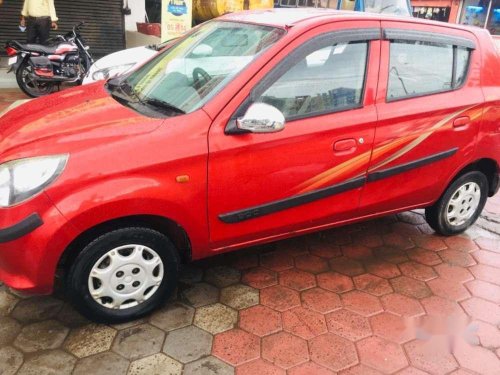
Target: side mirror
[[261, 118]]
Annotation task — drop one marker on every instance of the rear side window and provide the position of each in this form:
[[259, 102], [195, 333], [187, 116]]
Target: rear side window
[[419, 68]]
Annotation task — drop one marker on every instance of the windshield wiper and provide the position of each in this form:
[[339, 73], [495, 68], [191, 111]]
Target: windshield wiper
[[163, 105]]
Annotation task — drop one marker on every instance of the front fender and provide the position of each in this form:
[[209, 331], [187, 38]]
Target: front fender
[[123, 197]]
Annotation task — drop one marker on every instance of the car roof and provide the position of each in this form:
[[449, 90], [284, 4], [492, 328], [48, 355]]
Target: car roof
[[288, 17]]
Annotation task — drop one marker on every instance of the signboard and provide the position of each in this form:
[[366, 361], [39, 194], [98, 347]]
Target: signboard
[[176, 18]]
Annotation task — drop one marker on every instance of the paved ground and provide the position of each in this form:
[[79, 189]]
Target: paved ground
[[385, 296]]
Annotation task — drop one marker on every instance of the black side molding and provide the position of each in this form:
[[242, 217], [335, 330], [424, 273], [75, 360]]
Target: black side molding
[[375, 176], [297, 200], [426, 36], [20, 229]]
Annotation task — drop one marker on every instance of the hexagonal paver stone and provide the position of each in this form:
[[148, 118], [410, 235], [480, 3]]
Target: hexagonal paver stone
[[7, 302], [402, 305], [190, 275], [201, 294], [9, 329], [157, 364], [222, 276], [53, 362], [173, 316], [333, 352], [208, 366], [335, 282], [90, 339], [49, 334], [279, 298], [71, 318], [393, 327], [304, 323], [215, 318], [236, 347], [260, 277], [347, 266], [188, 344], [10, 360], [382, 355], [107, 363], [320, 300], [310, 368], [298, 280], [477, 359], [136, 342], [239, 296], [372, 284], [348, 324], [285, 350], [410, 287], [311, 263], [362, 303], [432, 356], [260, 320], [37, 309], [259, 366]]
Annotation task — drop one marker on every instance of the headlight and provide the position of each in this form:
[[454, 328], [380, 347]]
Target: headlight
[[111, 72], [21, 179]]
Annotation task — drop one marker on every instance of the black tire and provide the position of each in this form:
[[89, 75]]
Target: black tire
[[77, 281], [31, 89], [436, 215]]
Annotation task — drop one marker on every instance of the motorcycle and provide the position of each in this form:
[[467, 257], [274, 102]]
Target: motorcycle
[[40, 69]]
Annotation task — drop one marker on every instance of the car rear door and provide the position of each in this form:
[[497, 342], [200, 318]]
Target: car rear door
[[312, 172], [429, 105]]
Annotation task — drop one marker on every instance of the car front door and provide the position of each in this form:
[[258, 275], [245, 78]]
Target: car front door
[[429, 105], [311, 173]]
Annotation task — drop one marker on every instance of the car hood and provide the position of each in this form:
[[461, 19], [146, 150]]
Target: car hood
[[136, 55], [60, 123]]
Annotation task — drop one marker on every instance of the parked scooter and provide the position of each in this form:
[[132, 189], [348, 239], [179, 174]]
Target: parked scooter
[[41, 69]]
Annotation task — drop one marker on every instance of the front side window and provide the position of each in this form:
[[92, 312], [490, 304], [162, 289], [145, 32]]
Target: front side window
[[327, 80], [419, 68], [188, 74]]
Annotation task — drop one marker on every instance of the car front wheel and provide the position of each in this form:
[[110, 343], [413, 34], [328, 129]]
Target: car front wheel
[[460, 205], [123, 275]]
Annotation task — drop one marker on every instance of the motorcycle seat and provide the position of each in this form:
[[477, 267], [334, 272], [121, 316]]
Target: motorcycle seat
[[37, 48]]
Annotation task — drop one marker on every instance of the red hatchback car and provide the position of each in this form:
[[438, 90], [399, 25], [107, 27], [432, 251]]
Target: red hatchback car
[[253, 127]]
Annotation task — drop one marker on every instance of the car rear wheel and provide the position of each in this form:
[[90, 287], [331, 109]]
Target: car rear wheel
[[123, 275], [460, 205]]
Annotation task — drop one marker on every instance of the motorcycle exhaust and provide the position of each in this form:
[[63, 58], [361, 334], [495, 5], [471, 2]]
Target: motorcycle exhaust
[[52, 78]]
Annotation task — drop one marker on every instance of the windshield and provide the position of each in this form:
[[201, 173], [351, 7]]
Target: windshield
[[188, 74]]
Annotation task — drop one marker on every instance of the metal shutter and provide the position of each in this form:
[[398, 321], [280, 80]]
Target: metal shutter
[[104, 28]]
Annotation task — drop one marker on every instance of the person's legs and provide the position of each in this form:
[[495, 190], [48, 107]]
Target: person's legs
[[44, 29], [31, 30]]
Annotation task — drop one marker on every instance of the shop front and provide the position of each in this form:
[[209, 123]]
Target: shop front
[[481, 13], [104, 28]]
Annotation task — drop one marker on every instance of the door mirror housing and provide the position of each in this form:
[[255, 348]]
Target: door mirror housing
[[261, 118]]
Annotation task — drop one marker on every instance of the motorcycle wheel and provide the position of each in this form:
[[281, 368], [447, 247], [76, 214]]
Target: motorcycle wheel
[[29, 86]]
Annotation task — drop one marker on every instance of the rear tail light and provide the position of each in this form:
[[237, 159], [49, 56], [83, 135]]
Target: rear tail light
[[11, 51], [44, 72]]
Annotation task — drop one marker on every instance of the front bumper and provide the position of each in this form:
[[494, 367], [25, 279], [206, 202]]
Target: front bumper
[[33, 236], [20, 229]]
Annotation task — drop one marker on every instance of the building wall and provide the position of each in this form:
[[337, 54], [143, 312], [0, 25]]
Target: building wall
[[138, 14]]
